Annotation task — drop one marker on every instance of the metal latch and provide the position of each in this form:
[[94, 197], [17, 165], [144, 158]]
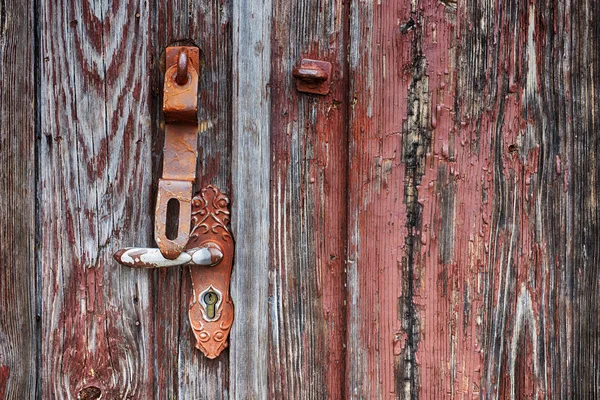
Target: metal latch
[[203, 241], [313, 76]]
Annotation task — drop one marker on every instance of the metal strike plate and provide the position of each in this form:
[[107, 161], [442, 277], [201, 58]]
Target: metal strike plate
[[313, 76]]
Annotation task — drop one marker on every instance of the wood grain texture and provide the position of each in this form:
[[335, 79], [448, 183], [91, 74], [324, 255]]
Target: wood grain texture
[[500, 190], [95, 180], [183, 371], [18, 323], [452, 171], [380, 360], [507, 210], [103, 65], [308, 206], [250, 208]]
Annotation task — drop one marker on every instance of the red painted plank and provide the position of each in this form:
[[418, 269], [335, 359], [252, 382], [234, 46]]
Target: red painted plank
[[379, 361], [308, 205], [455, 199], [501, 267]]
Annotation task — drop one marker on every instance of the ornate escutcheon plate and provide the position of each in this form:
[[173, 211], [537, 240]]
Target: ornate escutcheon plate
[[211, 307]]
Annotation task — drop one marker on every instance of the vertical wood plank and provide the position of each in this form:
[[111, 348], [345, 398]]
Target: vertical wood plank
[[95, 177], [183, 371], [308, 206], [250, 217], [385, 144], [507, 269], [18, 322], [500, 188], [576, 217], [456, 195]]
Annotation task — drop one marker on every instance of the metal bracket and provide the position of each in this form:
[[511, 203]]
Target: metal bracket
[[204, 243], [180, 108], [313, 76]]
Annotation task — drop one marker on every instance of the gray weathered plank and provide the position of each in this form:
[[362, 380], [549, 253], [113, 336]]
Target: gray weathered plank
[[18, 326], [250, 214], [95, 180]]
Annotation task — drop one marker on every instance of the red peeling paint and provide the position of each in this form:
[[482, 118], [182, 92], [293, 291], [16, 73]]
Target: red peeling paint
[[4, 375]]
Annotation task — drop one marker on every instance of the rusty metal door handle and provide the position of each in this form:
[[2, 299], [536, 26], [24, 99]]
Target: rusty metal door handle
[[209, 255], [203, 243]]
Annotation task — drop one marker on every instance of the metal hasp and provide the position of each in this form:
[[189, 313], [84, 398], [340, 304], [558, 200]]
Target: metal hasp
[[313, 76], [180, 109], [204, 243]]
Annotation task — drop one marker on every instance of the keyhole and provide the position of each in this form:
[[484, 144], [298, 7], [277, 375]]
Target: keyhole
[[210, 298]]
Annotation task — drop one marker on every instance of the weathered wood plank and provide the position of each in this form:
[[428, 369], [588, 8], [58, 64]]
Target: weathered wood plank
[[500, 188], [381, 205], [19, 342], [95, 179], [573, 223], [454, 197], [472, 203], [183, 371], [251, 155], [308, 206], [507, 210]]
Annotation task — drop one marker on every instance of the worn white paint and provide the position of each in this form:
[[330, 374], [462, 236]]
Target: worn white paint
[[151, 258], [206, 256]]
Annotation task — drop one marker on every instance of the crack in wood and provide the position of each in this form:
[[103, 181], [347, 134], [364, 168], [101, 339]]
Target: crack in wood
[[416, 139]]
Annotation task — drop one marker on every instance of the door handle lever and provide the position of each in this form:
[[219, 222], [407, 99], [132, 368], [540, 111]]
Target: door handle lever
[[208, 255], [204, 242]]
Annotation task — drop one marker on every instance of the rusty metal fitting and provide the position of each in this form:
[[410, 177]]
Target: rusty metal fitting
[[182, 68], [313, 76], [182, 192], [180, 108], [180, 96]]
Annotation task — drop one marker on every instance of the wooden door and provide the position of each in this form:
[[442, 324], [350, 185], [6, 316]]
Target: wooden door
[[428, 229]]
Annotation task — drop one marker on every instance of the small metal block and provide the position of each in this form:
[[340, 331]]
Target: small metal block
[[180, 102], [313, 76]]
